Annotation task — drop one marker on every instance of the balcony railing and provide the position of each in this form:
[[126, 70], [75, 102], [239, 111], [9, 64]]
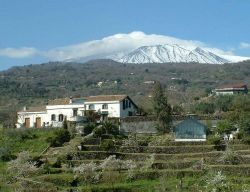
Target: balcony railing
[[77, 118]]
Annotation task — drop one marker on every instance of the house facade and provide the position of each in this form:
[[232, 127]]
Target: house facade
[[231, 89], [74, 110]]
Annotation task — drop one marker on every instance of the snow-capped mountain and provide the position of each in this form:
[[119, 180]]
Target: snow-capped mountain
[[170, 54]]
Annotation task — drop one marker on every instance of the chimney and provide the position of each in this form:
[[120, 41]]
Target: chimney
[[24, 108], [70, 100]]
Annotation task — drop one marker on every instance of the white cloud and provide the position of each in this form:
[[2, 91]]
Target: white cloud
[[244, 45], [107, 46], [115, 44], [118, 43], [22, 52]]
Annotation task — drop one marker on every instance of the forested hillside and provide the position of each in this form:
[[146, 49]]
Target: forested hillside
[[35, 84]]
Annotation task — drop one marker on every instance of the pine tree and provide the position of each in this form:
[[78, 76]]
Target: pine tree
[[162, 109]]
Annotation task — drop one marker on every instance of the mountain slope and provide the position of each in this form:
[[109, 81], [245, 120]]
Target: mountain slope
[[171, 54]]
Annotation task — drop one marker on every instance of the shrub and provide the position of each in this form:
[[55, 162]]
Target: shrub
[[89, 128], [22, 166], [88, 172], [110, 128], [107, 128], [161, 140], [199, 165], [230, 157], [107, 145], [217, 182], [111, 164], [5, 154], [60, 136], [58, 163], [21, 134], [205, 108], [131, 141], [148, 163], [246, 140], [99, 131], [215, 140]]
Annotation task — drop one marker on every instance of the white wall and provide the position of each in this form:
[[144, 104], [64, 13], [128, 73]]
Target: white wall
[[225, 93], [66, 110], [32, 115], [113, 107]]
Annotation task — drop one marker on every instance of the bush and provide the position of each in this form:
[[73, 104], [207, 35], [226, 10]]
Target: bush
[[204, 108], [131, 141], [22, 166], [107, 145], [215, 140], [5, 154], [246, 140], [21, 134], [107, 128], [110, 128], [89, 128], [162, 140], [60, 136], [230, 157], [88, 172], [58, 163], [99, 131]]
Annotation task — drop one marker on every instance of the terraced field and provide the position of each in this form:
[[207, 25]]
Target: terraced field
[[175, 167]]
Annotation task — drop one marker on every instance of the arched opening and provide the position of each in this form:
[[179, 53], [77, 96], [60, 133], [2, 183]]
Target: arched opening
[[53, 117], [60, 117]]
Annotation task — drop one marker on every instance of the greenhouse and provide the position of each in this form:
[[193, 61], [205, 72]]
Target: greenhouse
[[190, 130]]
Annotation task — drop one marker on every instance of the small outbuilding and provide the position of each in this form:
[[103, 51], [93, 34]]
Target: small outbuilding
[[190, 130]]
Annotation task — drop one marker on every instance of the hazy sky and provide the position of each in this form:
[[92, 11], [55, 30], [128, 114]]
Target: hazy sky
[[33, 31]]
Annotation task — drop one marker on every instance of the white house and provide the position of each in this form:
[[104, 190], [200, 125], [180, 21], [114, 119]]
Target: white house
[[111, 106], [231, 89], [74, 110]]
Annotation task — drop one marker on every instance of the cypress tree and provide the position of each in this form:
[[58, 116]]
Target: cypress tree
[[162, 109]]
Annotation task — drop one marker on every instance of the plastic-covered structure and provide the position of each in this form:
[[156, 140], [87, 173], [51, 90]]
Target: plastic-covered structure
[[190, 130]]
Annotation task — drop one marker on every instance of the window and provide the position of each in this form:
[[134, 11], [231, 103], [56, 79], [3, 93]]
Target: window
[[61, 117], [91, 107], [124, 104], [105, 106], [75, 112], [129, 104], [53, 117]]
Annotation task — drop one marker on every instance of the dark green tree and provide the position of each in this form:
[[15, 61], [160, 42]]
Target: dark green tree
[[162, 109], [244, 123], [224, 103]]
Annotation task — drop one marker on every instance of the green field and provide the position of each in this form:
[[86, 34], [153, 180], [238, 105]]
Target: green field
[[170, 167]]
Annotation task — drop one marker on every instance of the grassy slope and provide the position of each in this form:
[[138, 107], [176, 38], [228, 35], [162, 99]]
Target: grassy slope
[[12, 140]]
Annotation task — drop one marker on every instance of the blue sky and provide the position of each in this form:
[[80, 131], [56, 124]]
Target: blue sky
[[30, 27]]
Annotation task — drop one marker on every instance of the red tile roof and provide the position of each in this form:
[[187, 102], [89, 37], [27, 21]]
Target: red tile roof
[[233, 86], [34, 109], [61, 101], [105, 98]]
